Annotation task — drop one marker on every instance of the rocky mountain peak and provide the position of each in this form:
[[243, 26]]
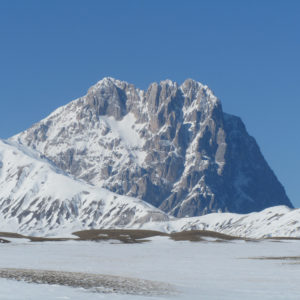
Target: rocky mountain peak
[[171, 146], [108, 82]]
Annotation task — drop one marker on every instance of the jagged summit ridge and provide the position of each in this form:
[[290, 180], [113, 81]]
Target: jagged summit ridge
[[170, 145]]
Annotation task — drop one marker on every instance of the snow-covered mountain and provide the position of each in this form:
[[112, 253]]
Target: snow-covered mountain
[[38, 198], [277, 221], [171, 146]]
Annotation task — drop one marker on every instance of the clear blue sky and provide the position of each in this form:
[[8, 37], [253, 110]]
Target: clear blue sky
[[247, 52]]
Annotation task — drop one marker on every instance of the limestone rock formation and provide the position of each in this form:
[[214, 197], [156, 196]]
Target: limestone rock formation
[[171, 146]]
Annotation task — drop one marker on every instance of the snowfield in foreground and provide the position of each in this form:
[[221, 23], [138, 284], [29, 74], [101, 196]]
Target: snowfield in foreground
[[202, 270]]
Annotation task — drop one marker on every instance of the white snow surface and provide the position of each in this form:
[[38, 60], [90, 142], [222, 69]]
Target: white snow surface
[[204, 270], [277, 221], [38, 199]]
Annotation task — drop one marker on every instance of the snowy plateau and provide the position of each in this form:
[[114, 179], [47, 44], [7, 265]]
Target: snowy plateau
[[207, 215], [204, 270]]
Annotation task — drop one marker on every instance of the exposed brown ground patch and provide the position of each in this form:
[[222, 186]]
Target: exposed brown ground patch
[[283, 238], [287, 258], [122, 235], [3, 241], [140, 236], [31, 238], [201, 235], [135, 236], [11, 235]]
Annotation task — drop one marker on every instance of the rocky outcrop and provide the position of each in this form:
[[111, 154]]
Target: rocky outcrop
[[171, 146]]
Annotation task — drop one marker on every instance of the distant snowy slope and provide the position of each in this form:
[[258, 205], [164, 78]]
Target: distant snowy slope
[[37, 198], [277, 221]]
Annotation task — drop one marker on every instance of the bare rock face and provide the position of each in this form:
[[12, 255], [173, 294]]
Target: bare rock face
[[171, 146]]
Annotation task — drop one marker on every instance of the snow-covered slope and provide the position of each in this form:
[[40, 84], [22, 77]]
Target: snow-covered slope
[[277, 221], [38, 198], [171, 146]]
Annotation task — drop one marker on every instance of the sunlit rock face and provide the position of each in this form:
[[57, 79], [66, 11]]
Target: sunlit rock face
[[171, 146]]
